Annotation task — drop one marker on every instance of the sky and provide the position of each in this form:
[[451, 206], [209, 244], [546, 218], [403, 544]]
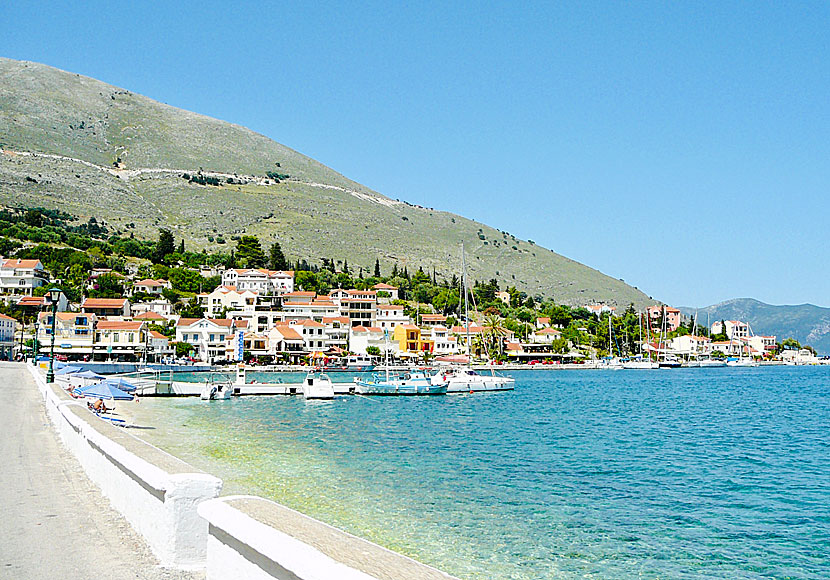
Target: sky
[[682, 147]]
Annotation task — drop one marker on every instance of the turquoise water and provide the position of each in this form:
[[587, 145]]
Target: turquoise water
[[690, 473]]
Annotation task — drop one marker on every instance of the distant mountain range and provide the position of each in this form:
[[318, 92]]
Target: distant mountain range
[[806, 323], [91, 149]]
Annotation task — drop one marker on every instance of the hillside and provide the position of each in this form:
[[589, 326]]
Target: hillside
[[806, 323], [92, 149]]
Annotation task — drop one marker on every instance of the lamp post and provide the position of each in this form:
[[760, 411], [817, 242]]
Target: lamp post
[[54, 295]]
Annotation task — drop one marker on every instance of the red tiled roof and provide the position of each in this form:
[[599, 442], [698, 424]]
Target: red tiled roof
[[20, 263], [4, 317], [288, 333], [104, 303], [382, 286], [154, 334], [118, 325], [187, 321]]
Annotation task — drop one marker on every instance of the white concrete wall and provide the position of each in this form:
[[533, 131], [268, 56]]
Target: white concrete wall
[[240, 546], [161, 506]]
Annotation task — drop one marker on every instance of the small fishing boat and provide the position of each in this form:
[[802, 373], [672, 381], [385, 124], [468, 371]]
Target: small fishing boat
[[412, 383], [318, 386]]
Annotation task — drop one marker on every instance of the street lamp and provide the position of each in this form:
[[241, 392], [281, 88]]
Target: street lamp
[[54, 295]]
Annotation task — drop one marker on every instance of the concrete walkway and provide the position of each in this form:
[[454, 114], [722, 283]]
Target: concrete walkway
[[55, 523]]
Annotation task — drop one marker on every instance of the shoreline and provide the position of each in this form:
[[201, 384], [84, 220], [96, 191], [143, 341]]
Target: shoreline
[[232, 536]]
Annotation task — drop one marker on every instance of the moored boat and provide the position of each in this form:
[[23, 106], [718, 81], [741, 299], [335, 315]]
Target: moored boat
[[412, 383], [466, 380], [318, 386]]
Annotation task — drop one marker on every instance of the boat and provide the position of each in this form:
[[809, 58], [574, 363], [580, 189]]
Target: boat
[[411, 383], [466, 380], [216, 390], [318, 386], [709, 362], [640, 363], [670, 362]]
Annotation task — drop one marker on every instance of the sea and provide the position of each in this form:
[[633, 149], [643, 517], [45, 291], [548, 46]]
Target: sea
[[669, 474]]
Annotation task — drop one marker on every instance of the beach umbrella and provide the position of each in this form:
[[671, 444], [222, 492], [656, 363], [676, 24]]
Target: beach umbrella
[[120, 383], [102, 391], [68, 371], [89, 375]]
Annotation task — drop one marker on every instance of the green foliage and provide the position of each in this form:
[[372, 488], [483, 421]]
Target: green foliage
[[192, 309], [373, 350], [107, 286], [164, 246], [277, 259], [183, 348], [249, 253]]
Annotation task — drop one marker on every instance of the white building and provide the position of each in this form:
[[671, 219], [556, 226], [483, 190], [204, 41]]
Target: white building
[[545, 335], [691, 344], [150, 286], [443, 342], [159, 346], [160, 306], [362, 337], [22, 276], [734, 329], [211, 337], [260, 280], [386, 293], [229, 298], [8, 327], [389, 316]]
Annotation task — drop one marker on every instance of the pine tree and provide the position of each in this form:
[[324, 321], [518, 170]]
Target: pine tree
[[165, 246], [277, 259], [377, 268]]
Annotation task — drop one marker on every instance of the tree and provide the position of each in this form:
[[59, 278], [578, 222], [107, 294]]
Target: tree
[[249, 253], [377, 268], [277, 258], [165, 246], [373, 350], [182, 348], [107, 286]]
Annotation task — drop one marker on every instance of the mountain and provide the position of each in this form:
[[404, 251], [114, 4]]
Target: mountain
[[92, 149], [806, 323]]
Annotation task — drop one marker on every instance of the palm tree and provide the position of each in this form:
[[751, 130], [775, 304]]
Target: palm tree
[[496, 331]]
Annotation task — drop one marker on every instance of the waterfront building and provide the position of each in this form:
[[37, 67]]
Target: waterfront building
[[363, 337], [212, 338], [159, 346], [74, 333], [286, 342], [337, 332], [8, 329], [410, 341], [21, 277], [691, 344], [360, 306], [444, 342], [121, 340]]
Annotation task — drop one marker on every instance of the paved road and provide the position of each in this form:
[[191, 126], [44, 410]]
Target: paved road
[[54, 522]]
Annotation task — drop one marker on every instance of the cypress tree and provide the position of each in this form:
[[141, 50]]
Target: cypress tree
[[377, 268]]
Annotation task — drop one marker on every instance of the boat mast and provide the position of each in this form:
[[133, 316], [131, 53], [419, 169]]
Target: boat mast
[[466, 307]]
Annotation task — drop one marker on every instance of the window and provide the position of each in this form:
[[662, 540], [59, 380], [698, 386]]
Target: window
[[211, 338], [115, 337], [131, 337]]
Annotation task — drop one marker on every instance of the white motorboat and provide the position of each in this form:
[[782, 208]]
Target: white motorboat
[[318, 386], [708, 363], [640, 363], [216, 390], [466, 380]]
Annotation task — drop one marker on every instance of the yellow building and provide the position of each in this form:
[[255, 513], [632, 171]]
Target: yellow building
[[409, 339]]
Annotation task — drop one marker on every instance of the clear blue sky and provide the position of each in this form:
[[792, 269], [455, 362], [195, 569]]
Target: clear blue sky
[[683, 147]]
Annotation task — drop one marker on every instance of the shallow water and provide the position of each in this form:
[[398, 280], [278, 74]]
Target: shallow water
[[690, 473]]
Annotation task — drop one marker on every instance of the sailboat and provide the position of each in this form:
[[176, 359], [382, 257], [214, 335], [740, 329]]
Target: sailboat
[[611, 363], [640, 363], [465, 379], [741, 361], [409, 384], [669, 361]]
